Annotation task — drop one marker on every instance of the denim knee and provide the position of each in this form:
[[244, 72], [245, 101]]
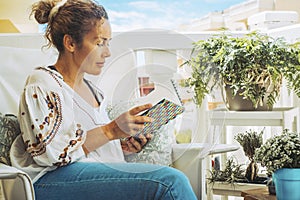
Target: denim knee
[[178, 185]]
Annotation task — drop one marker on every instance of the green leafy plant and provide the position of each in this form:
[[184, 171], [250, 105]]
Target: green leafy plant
[[253, 66], [281, 151], [250, 141]]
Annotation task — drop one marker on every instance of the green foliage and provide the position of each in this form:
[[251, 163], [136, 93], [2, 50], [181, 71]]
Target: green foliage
[[250, 141], [232, 173], [254, 64], [281, 151]]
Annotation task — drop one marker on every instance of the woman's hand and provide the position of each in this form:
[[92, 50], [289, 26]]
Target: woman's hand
[[128, 123], [135, 144]]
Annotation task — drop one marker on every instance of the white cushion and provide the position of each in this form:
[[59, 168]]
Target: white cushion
[[16, 64]]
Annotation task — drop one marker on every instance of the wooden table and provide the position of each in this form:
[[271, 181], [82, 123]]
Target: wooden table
[[257, 194]]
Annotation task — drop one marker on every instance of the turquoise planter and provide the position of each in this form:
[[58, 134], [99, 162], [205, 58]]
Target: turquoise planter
[[287, 183]]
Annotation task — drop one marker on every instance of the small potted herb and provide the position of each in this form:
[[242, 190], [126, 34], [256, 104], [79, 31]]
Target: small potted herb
[[232, 173], [281, 157], [280, 151]]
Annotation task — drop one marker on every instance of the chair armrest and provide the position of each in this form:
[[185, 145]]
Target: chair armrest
[[192, 148], [8, 172], [222, 148], [202, 149], [16, 183]]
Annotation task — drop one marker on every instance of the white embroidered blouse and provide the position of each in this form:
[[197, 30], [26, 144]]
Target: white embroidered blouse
[[53, 121]]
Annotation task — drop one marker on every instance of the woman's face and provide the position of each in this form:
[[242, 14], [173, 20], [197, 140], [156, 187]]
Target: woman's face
[[95, 49]]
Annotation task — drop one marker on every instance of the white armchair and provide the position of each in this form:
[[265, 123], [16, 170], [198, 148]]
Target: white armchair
[[15, 184], [19, 54]]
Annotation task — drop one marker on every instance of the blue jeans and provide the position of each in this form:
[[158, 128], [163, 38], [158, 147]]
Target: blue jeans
[[134, 181]]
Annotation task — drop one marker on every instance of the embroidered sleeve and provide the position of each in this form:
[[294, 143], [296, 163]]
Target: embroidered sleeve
[[51, 136]]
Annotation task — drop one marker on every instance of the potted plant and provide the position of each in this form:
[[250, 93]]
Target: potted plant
[[232, 173], [250, 141], [281, 157], [232, 178], [250, 67]]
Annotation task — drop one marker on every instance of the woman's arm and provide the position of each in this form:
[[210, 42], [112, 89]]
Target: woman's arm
[[50, 133]]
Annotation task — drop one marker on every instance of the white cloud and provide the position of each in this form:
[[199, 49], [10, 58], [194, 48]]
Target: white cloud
[[222, 1], [157, 14], [145, 5], [124, 21], [148, 14], [115, 15], [214, 1]]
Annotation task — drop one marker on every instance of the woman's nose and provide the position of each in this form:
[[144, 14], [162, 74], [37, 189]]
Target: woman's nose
[[106, 52]]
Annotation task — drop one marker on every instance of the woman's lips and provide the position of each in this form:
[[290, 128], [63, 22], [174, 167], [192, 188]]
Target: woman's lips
[[100, 64]]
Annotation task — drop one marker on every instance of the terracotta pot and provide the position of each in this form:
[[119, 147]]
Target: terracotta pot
[[237, 103]]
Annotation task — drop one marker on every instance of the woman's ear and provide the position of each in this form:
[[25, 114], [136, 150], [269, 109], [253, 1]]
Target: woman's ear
[[69, 43]]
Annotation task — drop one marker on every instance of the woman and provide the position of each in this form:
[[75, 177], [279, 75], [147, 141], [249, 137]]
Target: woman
[[66, 146]]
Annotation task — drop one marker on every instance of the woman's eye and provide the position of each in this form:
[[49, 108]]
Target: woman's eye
[[103, 43]]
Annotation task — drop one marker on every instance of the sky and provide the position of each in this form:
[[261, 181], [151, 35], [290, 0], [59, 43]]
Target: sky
[[128, 15]]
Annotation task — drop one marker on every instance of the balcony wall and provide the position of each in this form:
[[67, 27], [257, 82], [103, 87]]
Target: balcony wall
[[210, 22], [241, 12], [18, 12]]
